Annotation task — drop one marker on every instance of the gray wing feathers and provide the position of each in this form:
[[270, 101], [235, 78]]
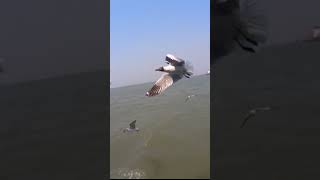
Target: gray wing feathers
[[163, 83]]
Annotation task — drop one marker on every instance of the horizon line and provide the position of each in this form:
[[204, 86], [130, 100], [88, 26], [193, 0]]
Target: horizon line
[[145, 83]]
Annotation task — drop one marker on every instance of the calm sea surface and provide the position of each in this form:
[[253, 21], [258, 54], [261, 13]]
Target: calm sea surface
[[174, 137]]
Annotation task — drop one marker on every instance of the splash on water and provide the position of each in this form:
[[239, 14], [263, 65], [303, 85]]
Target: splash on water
[[127, 173]]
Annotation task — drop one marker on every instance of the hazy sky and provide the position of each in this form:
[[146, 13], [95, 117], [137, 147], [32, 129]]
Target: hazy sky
[[142, 32], [49, 38]]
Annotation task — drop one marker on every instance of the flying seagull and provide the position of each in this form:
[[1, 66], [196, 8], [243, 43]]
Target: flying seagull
[[132, 127], [189, 97], [253, 112], [174, 71]]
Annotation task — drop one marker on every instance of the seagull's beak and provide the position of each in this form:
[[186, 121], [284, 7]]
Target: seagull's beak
[[160, 69]]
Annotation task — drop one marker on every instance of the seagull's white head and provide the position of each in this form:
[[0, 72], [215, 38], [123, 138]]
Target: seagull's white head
[[171, 56]]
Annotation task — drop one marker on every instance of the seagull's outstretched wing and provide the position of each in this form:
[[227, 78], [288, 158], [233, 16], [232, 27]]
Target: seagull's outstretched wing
[[261, 109], [174, 61], [253, 113], [250, 115], [163, 83], [133, 124]]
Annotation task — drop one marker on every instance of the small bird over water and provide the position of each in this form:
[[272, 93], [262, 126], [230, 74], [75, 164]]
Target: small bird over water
[[174, 71], [132, 127], [253, 112], [189, 97]]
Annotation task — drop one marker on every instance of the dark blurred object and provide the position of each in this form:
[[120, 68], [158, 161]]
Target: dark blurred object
[[282, 143], [239, 23], [1, 65], [223, 32], [314, 35], [226, 7]]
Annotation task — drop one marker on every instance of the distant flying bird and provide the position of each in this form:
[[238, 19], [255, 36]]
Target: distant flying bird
[[253, 112], [241, 22], [189, 97], [176, 70], [132, 127]]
